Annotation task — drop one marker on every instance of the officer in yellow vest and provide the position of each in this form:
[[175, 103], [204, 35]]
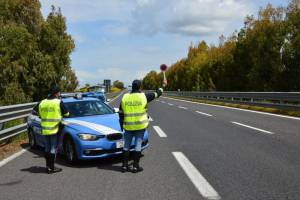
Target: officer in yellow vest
[[134, 120], [51, 111]]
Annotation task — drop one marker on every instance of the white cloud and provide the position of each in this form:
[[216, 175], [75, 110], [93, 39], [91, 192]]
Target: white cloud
[[116, 30], [187, 17], [85, 76], [148, 17], [112, 73], [89, 10]]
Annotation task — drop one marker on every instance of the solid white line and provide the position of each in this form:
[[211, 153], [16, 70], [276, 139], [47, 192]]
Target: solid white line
[[182, 107], [203, 186], [251, 127], [12, 157], [202, 113], [171, 104], [253, 111], [115, 98], [160, 132]]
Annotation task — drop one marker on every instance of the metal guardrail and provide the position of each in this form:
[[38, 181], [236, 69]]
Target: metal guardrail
[[280, 100], [11, 113], [20, 111]]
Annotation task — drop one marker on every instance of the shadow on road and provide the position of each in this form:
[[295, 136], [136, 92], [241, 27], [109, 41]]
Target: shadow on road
[[112, 163], [11, 183], [35, 170]]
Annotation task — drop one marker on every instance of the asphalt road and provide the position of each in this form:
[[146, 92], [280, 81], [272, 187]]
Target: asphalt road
[[197, 152]]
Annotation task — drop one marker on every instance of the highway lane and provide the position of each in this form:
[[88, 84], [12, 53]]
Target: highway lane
[[280, 124], [24, 177], [201, 154], [285, 129], [240, 163]]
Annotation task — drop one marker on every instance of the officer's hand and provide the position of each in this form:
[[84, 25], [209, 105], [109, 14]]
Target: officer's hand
[[165, 83]]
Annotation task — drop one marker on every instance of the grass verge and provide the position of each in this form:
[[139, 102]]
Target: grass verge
[[243, 106], [13, 145]]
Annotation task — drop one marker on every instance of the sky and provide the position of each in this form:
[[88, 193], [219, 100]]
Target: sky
[[125, 39]]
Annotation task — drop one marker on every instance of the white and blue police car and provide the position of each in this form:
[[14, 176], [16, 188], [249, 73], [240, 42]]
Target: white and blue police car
[[92, 130]]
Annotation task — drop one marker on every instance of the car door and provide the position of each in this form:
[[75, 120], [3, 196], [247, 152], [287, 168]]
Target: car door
[[35, 124]]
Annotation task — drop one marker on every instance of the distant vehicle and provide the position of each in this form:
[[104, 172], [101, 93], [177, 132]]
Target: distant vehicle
[[91, 131], [129, 87], [99, 95]]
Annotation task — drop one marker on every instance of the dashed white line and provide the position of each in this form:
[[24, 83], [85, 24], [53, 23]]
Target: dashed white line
[[202, 185], [160, 132], [202, 113], [181, 107], [170, 104], [162, 101], [252, 111], [251, 127], [12, 157]]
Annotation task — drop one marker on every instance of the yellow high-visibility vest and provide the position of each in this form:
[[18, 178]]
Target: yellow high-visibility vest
[[134, 106], [50, 113]]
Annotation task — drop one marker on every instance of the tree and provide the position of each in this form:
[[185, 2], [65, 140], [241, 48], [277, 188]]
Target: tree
[[118, 84], [34, 53], [151, 81], [263, 56]]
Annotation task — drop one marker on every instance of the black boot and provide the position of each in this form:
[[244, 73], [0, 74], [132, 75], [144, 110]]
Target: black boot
[[136, 162], [125, 166], [52, 168], [47, 158]]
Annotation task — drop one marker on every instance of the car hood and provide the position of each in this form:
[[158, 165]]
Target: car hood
[[98, 124]]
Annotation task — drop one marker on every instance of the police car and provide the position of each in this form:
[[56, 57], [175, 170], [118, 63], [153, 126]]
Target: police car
[[91, 130], [99, 95]]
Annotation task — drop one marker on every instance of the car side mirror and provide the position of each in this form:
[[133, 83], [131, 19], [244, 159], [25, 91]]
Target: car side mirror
[[116, 110]]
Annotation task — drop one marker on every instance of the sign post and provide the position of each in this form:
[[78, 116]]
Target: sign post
[[163, 69]]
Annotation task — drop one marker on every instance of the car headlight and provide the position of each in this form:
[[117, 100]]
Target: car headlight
[[89, 137]]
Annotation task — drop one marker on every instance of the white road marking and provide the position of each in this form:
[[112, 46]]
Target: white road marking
[[251, 127], [105, 130], [170, 104], [150, 119], [253, 111], [162, 101], [12, 157], [181, 107], [203, 186], [202, 113], [115, 98], [160, 132]]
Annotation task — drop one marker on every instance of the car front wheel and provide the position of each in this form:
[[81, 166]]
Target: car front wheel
[[70, 151]]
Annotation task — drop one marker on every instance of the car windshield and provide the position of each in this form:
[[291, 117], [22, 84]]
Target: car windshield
[[87, 108]]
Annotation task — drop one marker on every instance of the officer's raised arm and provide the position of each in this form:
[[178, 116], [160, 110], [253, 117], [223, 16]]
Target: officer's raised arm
[[153, 95]]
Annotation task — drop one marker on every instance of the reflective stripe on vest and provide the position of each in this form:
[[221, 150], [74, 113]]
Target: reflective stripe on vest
[[50, 113], [50, 128], [135, 112], [51, 120]]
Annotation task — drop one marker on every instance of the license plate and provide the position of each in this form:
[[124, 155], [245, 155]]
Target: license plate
[[119, 144]]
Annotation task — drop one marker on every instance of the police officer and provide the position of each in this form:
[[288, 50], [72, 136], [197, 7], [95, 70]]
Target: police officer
[[51, 111], [134, 120]]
